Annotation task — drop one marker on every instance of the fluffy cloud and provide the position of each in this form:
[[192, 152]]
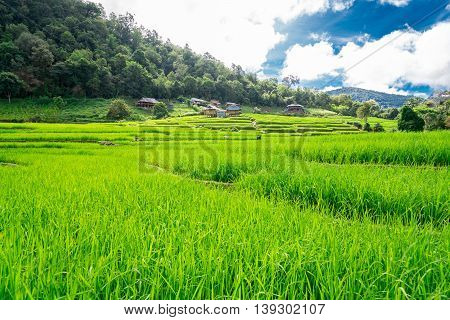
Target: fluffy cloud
[[234, 31], [397, 3], [312, 61], [420, 58]]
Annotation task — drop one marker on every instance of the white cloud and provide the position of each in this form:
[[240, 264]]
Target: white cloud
[[310, 62], [330, 88], [319, 36], [397, 3], [420, 58], [234, 31]]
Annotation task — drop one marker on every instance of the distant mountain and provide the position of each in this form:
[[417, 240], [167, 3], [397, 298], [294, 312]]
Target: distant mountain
[[439, 97], [384, 99]]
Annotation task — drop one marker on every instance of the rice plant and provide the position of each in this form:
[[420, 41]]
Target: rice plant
[[138, 220]]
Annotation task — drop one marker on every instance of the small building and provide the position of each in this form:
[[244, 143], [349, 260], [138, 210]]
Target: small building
[[294, 109], [221, 113], [199, 102], [213, 111], [147, 103], [210, 111], [233, 109], [215, 103]]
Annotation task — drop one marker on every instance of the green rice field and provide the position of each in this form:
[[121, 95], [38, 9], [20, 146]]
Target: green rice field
[[254, 207]]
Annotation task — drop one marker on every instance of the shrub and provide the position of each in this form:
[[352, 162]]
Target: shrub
[[43, 100], [378, 127], [409, 120], [367, 127], [160, 110], [59, 102], [358, 125], [35, 119], [118, 110]]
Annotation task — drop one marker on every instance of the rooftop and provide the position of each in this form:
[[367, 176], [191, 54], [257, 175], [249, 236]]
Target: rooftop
[[234, 107], [149, 100]]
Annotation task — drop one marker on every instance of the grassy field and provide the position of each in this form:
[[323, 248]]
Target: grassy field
[[197, 208], [73, 111]]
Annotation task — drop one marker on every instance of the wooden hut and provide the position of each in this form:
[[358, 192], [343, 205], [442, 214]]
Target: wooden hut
[[294, 109], [213, 111], [215, 103], [233, 109], [210, 111], [147, 103], [199, 102]]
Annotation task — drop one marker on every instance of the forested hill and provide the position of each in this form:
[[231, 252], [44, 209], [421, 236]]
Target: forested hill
[[383, 99], [71, 48]]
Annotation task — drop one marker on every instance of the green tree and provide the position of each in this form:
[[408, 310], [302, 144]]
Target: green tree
[[291, 81], [363, 112], [67, 40], [41, 57], [134, 80], [374, 107], [118, 110], [392, 113], [413, 102], [10, 85], [160, 111], [190, 85], [409, 120], [82, 68], [10, 57], [435, 120]]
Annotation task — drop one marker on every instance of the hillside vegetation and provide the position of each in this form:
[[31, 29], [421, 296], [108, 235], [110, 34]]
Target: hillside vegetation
[[383, 99], [71, 48]]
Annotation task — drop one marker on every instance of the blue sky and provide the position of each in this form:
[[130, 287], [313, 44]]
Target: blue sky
[[316, 40], [362, 21]]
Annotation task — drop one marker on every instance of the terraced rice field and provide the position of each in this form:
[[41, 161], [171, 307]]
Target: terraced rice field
[[197, 208]]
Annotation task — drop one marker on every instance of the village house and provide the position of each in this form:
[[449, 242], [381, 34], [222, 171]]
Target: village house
[[233, 109], [294, 109], [199, 102], [147, 103], [221, 113], [215, 103], [210, 111]]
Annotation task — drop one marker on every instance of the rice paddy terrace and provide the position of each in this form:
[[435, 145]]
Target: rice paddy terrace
[[253, 207]]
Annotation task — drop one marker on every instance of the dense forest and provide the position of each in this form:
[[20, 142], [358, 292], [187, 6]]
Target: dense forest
[[71, 48]]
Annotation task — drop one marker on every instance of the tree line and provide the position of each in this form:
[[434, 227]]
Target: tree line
[[71, 48]]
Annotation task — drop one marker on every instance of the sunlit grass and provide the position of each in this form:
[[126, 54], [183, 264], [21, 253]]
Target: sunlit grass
[[331, 217]]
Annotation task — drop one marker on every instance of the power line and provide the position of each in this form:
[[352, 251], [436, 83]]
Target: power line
[[443, 5]]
